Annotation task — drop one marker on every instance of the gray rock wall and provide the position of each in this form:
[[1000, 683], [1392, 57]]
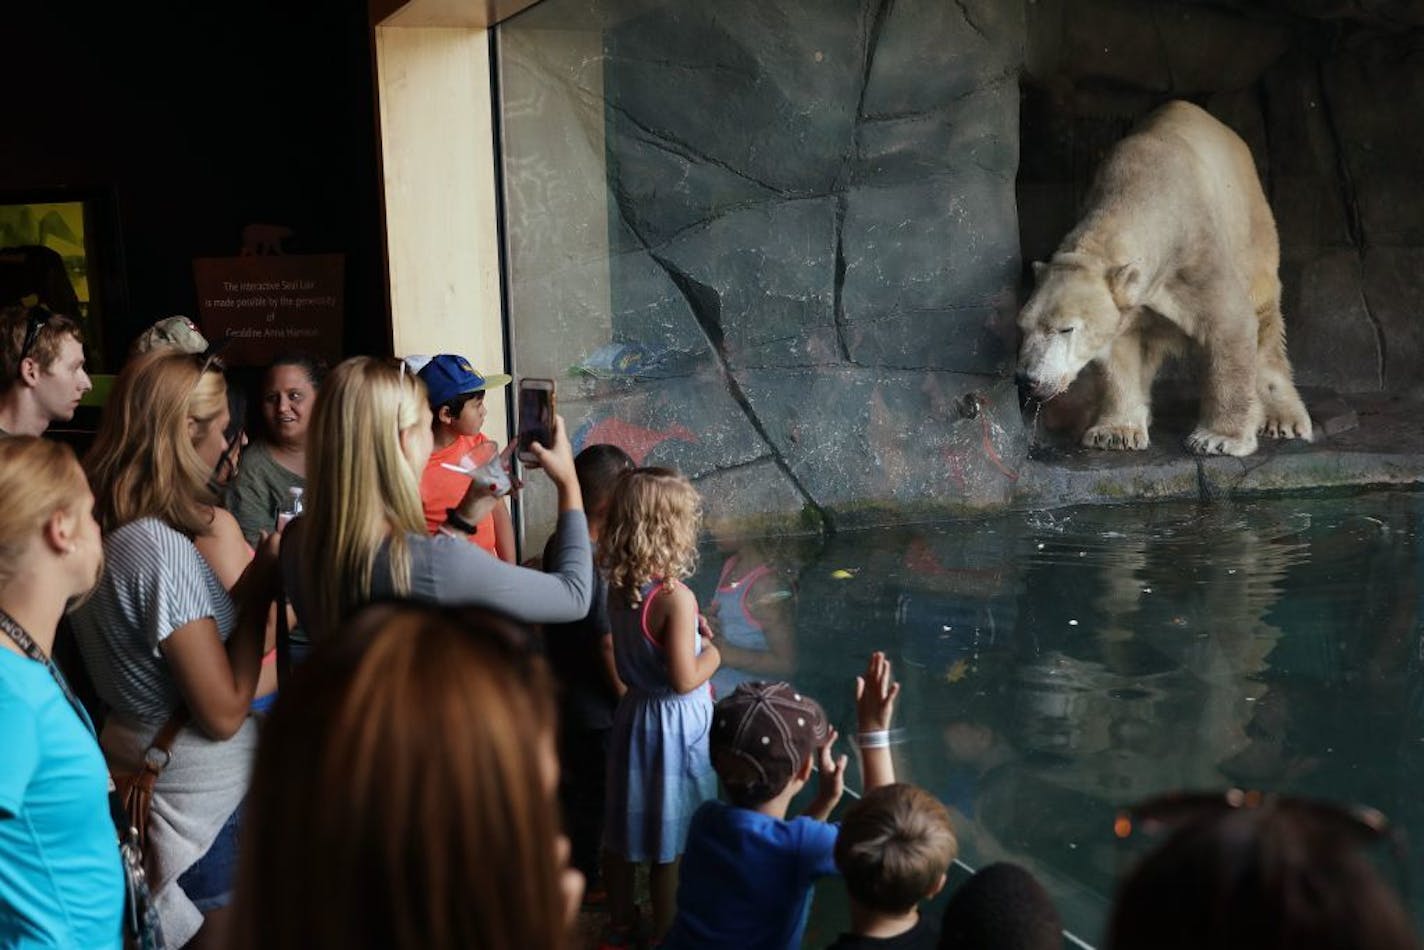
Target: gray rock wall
[[811, 236]]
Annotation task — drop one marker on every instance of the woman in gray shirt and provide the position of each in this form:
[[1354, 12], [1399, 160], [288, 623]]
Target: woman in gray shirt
[[363, 535], [277, 462]]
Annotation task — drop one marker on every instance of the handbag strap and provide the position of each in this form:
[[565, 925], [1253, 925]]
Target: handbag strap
[[163, 740]]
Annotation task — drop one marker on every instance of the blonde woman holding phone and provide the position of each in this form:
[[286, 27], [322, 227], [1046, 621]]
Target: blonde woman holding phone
[[363, 535]]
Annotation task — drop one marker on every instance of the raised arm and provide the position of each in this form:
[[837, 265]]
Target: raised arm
[[558, 462], [875, 694], [218, 680], [466, 574]]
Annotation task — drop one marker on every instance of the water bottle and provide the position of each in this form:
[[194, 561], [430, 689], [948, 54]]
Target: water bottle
[[293, 508]]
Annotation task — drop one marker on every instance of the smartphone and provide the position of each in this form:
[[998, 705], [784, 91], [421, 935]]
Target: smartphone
[[536, 417]]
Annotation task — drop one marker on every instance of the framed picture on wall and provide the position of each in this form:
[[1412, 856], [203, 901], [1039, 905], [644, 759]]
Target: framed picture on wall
[[60, 247]]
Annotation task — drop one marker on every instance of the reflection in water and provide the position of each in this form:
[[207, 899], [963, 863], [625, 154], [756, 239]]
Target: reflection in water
[[1058, 665]]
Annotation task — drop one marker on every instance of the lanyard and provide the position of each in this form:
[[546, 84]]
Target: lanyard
[[32, 650]]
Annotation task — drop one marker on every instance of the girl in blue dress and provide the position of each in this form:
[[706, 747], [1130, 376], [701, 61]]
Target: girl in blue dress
[[658, 765]]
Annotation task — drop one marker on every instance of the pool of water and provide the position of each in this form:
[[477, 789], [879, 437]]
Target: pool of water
[[1057, 665]]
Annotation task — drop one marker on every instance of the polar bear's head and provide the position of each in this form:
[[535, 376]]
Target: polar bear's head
[[1076, 311]]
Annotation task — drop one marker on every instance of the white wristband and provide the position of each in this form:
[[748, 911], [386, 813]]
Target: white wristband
[[879, 739]]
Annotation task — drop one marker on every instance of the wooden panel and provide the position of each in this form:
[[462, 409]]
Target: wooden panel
[[445, 13], [437, 146]]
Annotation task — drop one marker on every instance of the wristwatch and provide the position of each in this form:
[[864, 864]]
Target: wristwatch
[[453, 519]]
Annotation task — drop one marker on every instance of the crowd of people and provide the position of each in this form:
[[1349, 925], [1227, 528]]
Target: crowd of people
[[461, 751]]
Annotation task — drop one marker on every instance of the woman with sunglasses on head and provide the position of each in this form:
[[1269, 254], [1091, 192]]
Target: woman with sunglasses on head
[[360, 838], [225, 548], [363, 534], [170, 652], [61, 879], [277, 462], [1255, 871]]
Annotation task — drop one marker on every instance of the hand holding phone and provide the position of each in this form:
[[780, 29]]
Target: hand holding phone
[[536, 418], [557, 460]]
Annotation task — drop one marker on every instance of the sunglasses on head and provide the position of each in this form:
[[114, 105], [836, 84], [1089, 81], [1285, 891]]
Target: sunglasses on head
[[1179, 808], [208, 362], [227, 464], [37, 317], [1163, 814], [211, 359]]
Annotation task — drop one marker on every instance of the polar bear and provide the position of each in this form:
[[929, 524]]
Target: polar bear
[[1177, 244]]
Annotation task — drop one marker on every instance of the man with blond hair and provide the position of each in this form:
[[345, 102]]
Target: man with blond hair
[[42, 376]]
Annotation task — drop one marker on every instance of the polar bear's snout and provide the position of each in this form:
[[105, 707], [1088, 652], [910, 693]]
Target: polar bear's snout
[[1046, 365]]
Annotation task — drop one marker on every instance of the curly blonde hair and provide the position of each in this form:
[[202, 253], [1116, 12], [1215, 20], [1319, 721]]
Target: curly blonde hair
[[651, 531]]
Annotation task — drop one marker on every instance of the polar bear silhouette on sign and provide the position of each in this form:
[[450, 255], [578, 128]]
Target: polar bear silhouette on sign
[[1177, 247]]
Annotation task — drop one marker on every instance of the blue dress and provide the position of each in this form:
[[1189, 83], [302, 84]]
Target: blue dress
[[659, 770]]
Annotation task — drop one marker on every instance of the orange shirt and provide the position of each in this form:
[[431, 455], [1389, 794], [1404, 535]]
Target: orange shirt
[[441, 488]]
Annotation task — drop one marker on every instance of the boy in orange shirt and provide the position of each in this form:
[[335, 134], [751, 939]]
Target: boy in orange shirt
[[457, 402]]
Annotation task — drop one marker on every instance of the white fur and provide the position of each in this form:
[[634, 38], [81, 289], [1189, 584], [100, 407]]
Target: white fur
[[1177, 247]]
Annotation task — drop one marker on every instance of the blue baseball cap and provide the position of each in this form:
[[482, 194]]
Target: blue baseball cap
[[447, 376]]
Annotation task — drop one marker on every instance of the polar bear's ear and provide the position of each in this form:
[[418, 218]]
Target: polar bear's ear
[[1038, 270], [1125, 283]]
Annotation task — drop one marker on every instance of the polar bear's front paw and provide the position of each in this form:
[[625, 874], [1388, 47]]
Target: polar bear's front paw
[[1206, 442], [1124, 436], [1287, 424]]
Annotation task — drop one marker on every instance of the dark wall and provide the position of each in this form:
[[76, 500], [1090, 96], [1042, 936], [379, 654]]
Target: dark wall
[[203, 118]]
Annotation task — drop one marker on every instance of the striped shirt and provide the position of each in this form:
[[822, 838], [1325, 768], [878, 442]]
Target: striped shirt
[[154, 582]]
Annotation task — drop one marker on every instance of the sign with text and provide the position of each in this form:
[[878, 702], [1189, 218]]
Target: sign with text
[[259, 307]]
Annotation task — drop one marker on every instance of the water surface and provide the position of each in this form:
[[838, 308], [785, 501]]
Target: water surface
[[1057, 665]]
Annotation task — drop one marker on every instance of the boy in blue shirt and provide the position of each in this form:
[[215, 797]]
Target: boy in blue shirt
[[746, 876]]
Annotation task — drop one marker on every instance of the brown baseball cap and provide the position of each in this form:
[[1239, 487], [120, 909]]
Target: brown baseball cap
[[761, 734]]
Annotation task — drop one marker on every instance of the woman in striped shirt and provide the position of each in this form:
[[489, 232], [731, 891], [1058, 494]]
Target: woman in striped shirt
[[162, 636]]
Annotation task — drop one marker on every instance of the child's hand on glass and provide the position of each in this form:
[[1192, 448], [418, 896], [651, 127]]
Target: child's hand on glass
[[875, 694], [832, 782]]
